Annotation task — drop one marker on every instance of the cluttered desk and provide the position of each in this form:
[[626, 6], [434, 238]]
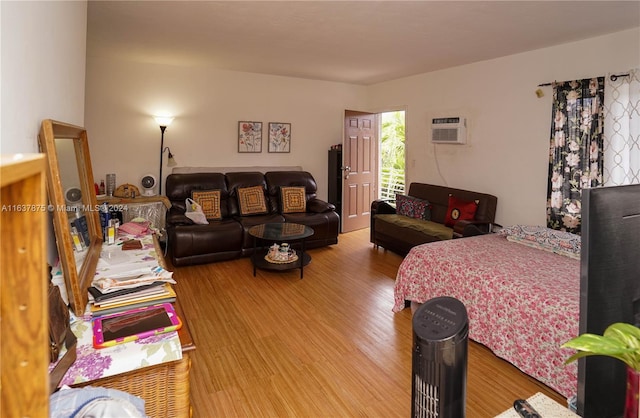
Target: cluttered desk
[[153, 366], [146, 359]]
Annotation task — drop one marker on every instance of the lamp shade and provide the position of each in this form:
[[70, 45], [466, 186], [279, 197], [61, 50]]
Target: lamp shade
[[171, 162], [163, 120]]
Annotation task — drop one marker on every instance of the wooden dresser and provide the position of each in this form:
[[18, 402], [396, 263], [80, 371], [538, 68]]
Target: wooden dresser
[[164, 387], [24, 339]]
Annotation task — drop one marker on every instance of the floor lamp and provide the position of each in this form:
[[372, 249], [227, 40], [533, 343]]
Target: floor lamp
[[163, 121]]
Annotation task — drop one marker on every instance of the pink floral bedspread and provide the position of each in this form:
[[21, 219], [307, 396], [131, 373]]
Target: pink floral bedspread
[[522, 302]]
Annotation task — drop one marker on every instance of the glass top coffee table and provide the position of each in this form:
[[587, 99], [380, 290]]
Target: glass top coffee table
[[276, 234]]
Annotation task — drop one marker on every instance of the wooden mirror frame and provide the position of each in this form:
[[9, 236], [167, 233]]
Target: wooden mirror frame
[[77, 281]]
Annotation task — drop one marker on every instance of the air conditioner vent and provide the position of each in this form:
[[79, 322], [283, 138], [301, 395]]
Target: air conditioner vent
[[451, 130]]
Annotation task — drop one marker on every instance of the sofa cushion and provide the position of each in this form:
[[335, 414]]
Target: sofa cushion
[[209, 200], [195, 244], [251, 201], [293, 199], [276, 180], [181, 186], [413, 207], [427, 227], [244, 179], [438, 197], [325, 225], [460, 209]]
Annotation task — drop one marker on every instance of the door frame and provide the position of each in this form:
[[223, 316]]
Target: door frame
[[407, 167], [358, 190]]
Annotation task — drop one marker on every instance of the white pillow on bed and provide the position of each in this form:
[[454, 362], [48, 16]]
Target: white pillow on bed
[[543, 238]]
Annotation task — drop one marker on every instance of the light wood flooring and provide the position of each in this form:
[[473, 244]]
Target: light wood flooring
[[324, 346]]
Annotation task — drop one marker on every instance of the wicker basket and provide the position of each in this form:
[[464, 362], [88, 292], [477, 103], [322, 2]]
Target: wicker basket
[[164, 387]]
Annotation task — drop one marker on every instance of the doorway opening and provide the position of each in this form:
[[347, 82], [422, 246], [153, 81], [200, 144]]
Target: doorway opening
[[373, 164], [391, 176]]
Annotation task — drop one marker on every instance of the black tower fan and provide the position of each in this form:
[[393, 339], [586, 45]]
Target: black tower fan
[[439, 375]]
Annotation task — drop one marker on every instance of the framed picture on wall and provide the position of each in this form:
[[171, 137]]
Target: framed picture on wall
[[279, 137], [249, 136]]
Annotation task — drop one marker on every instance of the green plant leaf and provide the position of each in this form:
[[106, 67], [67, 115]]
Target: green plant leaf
[[581, 354], [596, 344], [628, 332], [620, 341]]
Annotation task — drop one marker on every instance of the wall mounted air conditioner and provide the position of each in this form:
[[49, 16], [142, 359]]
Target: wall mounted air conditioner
[[449, 130]]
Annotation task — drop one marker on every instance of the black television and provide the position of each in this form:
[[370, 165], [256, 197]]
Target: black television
[[609, 290]]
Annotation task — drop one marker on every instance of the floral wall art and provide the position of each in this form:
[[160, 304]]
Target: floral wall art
[[249, 136], [279, 137]]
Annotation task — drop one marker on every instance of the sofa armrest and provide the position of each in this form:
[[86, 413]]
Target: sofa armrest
[[319, 206], [469, 228], [382, 206], [379, 206]]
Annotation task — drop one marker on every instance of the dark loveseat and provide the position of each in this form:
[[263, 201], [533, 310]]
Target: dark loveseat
[[400, 233], [228, 238]]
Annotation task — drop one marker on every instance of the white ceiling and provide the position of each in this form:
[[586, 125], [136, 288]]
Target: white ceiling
[[360, 42]]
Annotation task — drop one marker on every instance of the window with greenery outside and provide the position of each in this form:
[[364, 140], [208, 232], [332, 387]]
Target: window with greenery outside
[[392, 155]]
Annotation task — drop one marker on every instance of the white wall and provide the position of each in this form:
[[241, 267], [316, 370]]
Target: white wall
[[43, 54], [42, 76], [507, 148], [123, 95], [43, 68]]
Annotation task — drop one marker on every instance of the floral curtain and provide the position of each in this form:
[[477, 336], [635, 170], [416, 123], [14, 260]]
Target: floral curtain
[[576, 156], [622, 129]]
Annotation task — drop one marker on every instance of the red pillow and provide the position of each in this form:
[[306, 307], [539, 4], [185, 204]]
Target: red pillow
[[460, 209]]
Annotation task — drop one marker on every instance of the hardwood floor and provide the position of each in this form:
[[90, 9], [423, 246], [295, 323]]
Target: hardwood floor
[[324, 346]]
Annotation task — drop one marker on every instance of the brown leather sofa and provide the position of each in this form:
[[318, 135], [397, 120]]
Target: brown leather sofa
[[399, 233], [228, 237]]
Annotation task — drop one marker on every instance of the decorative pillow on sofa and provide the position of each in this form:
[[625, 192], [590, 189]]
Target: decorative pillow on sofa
[[460, 210], [209, 200], [293, 199], [251, 200], [413, 207]]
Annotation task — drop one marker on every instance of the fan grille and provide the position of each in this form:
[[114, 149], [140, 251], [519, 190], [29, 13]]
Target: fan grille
[[148, 182], [73, 195]]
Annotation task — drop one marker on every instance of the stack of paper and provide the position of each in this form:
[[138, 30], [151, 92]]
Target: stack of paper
[[135, 288]]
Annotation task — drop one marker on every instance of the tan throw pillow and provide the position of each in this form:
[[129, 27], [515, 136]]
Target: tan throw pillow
[[293, 199], [251, 201], [209, 200]]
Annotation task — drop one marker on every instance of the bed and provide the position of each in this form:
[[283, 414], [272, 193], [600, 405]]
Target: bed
[[522, 301]]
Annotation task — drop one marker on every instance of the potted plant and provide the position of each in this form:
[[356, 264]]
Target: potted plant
[[620, 341]]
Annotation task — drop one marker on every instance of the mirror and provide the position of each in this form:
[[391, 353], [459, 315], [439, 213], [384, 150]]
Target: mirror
[[66, 146]]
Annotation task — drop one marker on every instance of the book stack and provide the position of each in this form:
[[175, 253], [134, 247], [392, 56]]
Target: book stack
[[130, 290]]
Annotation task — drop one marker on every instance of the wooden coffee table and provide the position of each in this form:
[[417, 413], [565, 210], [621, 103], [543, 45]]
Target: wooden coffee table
[[279, 233]]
